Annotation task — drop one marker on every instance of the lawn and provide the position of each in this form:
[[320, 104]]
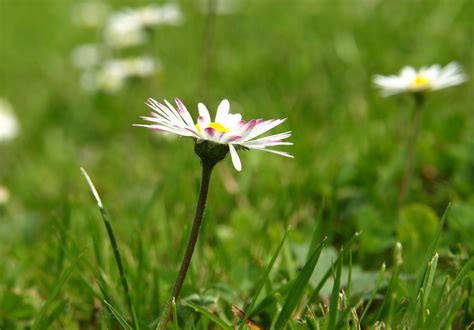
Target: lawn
[[314, 242]]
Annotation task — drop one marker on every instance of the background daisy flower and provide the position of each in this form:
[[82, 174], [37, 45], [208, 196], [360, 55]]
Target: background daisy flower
[[9, 126], [226, 128], [427, 78]]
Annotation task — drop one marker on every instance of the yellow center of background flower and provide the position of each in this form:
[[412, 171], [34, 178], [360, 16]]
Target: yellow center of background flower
[[420, 81], [217, 126]]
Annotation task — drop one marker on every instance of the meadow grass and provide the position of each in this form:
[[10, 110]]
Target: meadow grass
[[339, 266]]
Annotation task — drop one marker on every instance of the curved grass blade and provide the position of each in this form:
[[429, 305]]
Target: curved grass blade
[[209, 315], [113, 242], [297, 289]]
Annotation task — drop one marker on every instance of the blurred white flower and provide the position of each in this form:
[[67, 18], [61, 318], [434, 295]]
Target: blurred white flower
[[139, 66], [89, 81], [425, 79], [167, 14], [85, 56], [4, 195], [124, 29], [227, 129], [90, 14], [220, 7], [111, 77], [114, 73], [9, 126]]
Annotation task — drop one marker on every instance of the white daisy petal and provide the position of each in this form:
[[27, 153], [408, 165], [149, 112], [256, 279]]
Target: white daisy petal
[[235, 158], [222, 110]]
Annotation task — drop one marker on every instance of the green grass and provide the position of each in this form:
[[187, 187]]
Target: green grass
[[310, 61]]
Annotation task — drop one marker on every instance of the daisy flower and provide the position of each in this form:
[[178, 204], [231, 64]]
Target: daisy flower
[[226, 129], [425, 79]]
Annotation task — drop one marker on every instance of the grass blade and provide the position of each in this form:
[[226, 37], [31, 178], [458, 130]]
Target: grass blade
[[116, 314], [297, 289], [431, 251], [54, 293], [113, 242], [334, 301], [346, 247], [374, 292], [264, 278], [464, 271], [209, 315], [428, 283], [46, 324]]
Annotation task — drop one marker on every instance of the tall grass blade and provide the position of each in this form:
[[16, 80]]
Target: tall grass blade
[[297, 289], [118, 258]]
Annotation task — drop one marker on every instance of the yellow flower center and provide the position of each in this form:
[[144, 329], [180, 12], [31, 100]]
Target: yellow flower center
[[420, 81], [217, 126]]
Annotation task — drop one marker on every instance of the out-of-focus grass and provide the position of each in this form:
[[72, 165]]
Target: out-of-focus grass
[[310, 61]]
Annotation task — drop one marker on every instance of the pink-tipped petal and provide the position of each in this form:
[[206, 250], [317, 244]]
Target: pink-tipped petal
[[203, 112], [209, 132], [184, 112]]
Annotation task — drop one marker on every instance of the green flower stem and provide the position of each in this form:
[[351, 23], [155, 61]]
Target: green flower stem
[[201, 205], [411, 147]]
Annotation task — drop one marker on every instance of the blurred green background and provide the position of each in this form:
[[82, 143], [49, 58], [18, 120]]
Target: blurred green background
[[309, 61]]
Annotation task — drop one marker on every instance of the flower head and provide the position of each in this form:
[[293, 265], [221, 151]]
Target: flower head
[[226, 129], [427, 78]]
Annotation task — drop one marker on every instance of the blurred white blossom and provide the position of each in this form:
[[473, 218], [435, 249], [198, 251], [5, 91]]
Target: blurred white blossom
[[114, 72], [127, 28], [4, 195], [90, 14], [9, 126], [85, 56], [430, 78], [220, 7], [124, 29], [167, 14]]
